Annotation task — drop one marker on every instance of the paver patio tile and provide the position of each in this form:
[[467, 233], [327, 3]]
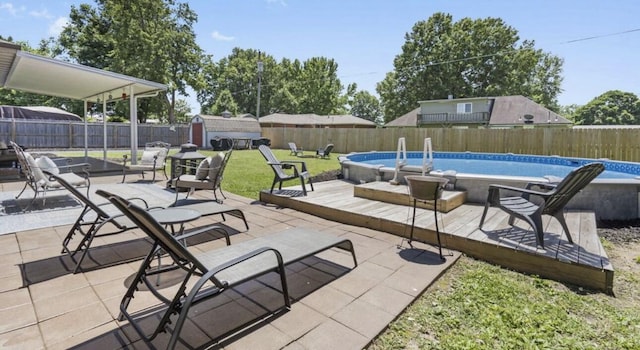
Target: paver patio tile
[[22, 338], [8, 244], [361, 279], [57, 286], [327, 300], [17, 317], [298, 321], [388, 299], [57, 329], [333, 335], [364, 318], [53, 306], [265, 338]]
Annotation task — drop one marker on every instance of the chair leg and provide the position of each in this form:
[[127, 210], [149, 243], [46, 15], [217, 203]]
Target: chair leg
[[484, 214], [124, 174], [304, 188], [536, 223], [23, 188], [560, 217], [413, 222]]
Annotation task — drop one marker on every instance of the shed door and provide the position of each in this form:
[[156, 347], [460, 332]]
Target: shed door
[[196, 134]]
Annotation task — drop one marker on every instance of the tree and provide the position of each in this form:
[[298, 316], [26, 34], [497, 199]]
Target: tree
[[366, 106], [614, 107], [292, 87], [468, 58], [148, 39], [321, 87]]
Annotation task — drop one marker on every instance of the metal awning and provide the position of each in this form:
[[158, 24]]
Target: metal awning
[[24, 71], [27, 72]]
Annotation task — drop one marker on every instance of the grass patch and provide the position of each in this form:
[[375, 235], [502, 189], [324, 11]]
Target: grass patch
[[480, 306], [247, 172]]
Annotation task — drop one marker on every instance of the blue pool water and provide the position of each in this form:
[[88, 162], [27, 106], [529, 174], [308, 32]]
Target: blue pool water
[[502, 164]]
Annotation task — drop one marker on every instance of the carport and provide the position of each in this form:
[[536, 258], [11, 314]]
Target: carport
[[27, 72]]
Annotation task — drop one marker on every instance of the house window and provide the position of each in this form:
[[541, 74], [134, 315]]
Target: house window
[[464, 108]]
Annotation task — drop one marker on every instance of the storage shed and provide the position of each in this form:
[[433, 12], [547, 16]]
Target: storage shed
[[243, 128]]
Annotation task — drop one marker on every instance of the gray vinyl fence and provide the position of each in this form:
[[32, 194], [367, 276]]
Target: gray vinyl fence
[[62, 135]]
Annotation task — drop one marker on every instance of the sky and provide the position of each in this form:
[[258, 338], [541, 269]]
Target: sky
[[599, 41]]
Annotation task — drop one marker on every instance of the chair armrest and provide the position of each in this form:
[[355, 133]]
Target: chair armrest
[[293, 162], [518, 189], [542, 185], [82, 166]]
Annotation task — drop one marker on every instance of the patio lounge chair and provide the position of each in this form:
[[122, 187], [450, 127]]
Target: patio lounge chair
[[217, 270], [154, 157], [551, 202], [280, 175], [94, 217], [295, 151], [33, 171], [325, 152], [208, 176]]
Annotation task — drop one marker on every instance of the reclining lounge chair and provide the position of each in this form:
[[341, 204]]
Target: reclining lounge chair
[[280, 175], [550, 202], [94, 217], [217, 270]]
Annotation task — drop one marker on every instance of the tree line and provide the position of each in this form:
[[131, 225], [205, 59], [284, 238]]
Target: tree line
[[155, 40]]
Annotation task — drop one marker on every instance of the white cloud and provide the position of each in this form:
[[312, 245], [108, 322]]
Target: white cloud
[[7, 6], [41, 14], [217, 36], [58, 25], [281, 2]]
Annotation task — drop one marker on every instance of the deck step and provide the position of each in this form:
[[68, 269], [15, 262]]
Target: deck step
[[383, 191]]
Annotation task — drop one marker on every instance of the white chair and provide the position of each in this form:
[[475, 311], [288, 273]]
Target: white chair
[[33, 171], [154, 157], [426, 189]]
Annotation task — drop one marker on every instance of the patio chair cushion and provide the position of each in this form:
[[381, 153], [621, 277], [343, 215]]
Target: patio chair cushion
[[202, 171], [214, 165], [45, 163], [148, 157]]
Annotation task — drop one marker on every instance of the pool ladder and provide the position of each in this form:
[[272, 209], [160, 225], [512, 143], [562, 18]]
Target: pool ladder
[[401, 158]]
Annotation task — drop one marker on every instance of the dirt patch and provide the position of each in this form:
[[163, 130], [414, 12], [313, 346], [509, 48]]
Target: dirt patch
[[620, 232], [327, 176]]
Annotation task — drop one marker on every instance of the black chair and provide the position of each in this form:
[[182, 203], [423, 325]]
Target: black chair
[[551, 202]]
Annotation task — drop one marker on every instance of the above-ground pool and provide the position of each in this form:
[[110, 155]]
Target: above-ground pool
[[612, 195]]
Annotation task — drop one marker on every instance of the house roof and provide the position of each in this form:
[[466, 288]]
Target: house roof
[[314, 119], [233, 124], [510, 110], [37, 112], [409, 119], [506, 111]]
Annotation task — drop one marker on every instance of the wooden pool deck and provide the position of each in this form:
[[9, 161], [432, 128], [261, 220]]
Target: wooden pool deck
[[377, 206]]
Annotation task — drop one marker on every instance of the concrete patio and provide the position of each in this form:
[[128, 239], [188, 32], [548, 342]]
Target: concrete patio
[[335, 306]]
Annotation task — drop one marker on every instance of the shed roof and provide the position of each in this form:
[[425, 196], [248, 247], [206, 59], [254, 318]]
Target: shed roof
[[233, 124], [314, 119]]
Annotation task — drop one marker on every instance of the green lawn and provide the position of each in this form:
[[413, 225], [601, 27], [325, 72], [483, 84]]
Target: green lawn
[[476, 305], [247, 172]]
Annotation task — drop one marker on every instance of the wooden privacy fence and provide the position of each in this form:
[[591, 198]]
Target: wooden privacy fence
[[56, 134], [616, 144]]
